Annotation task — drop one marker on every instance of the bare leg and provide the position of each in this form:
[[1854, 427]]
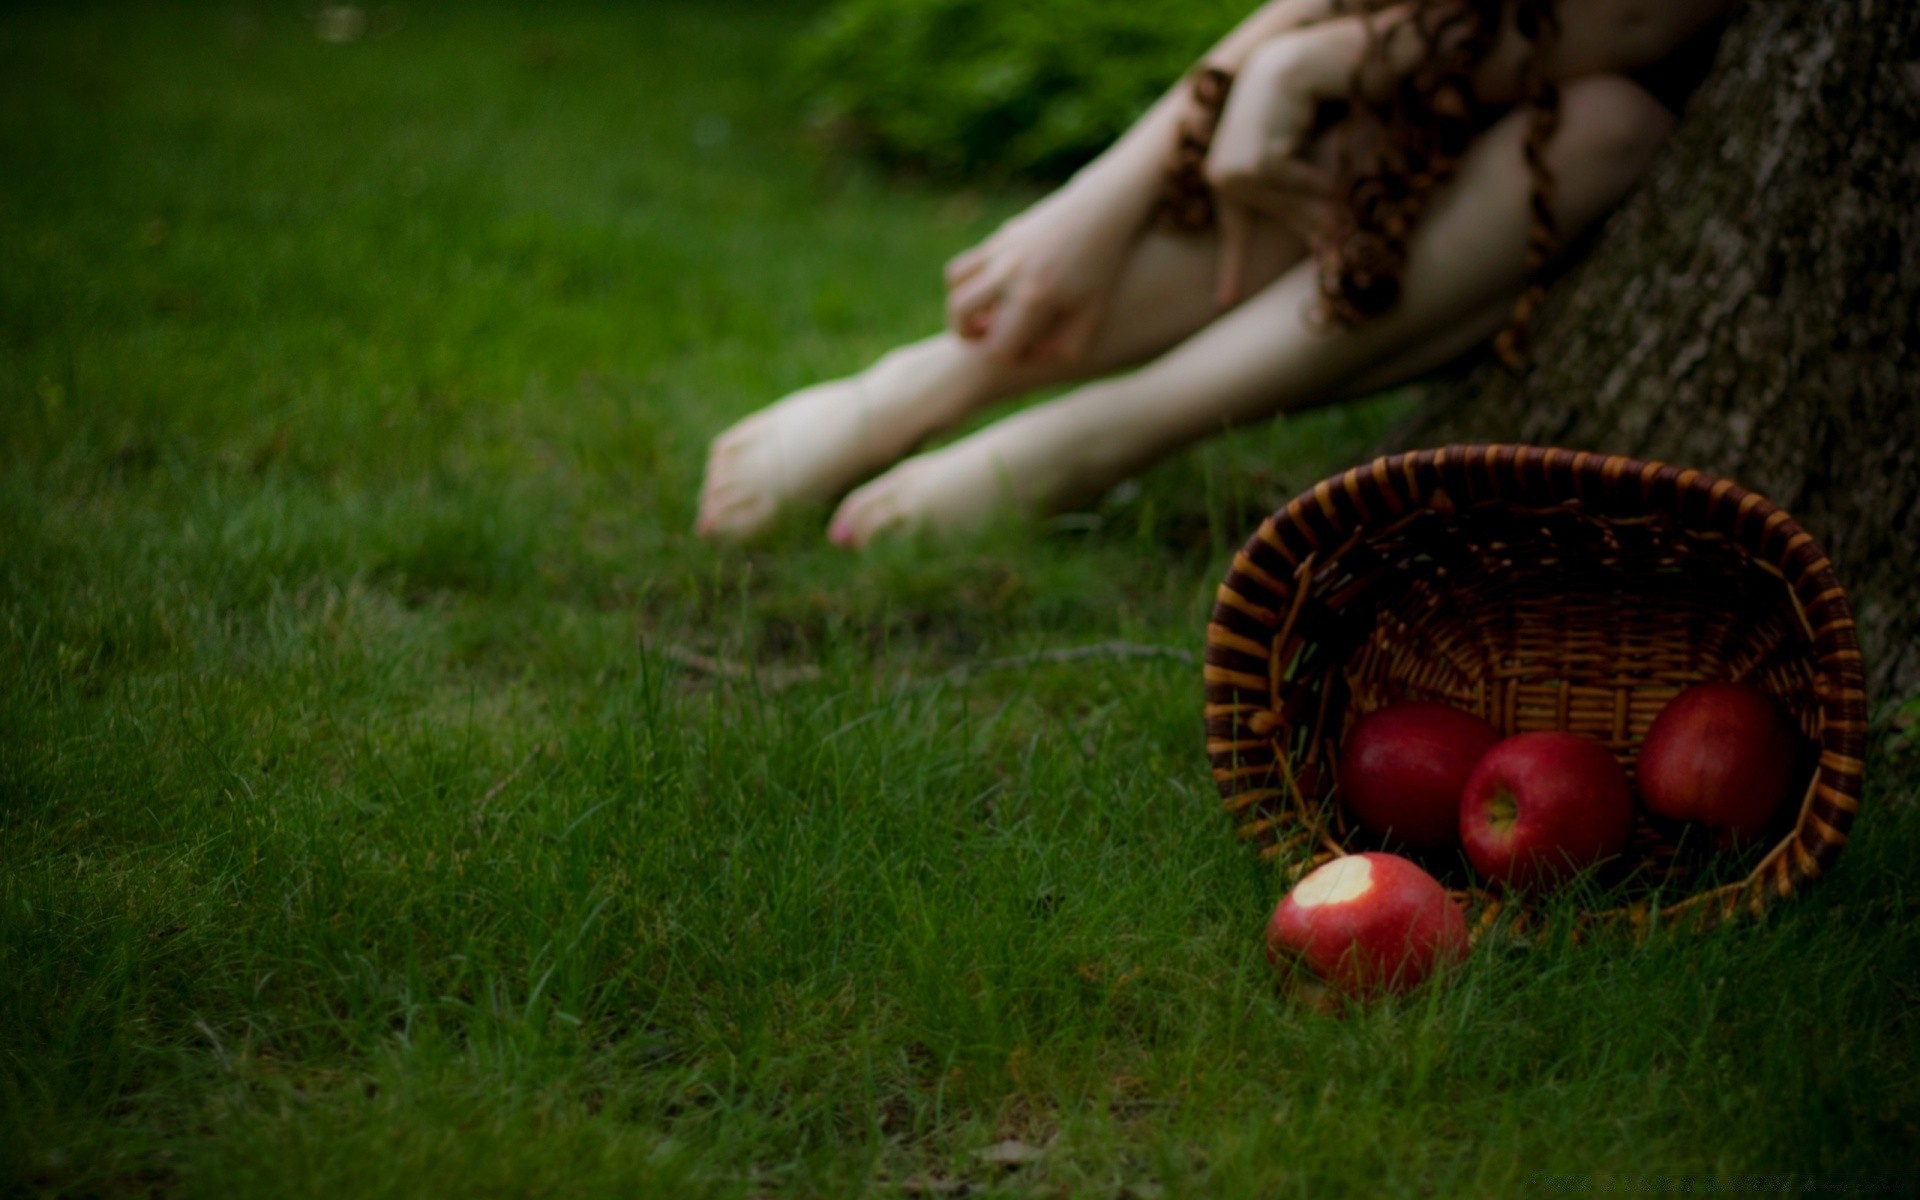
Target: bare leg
[[1057, 268], [816, 443], [1268, 355]]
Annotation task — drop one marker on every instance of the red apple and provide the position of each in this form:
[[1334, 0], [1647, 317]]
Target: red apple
[[1542, 807], [1402, 769], [1368, 923], [1721, 754]]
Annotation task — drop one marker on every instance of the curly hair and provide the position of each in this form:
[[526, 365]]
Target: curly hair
[[1398, 150]]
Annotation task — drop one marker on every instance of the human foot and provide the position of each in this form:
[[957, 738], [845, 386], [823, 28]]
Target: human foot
[[963, 487], [813, 445]]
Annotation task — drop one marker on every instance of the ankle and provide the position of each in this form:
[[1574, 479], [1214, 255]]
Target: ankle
[[1054, 455], [927, 386]]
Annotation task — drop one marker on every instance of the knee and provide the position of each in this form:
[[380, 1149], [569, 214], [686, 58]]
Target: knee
[[1610, 126]]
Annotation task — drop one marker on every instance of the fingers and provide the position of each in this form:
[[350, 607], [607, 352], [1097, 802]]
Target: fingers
[[1023, 317], [1289, 191], [1236, 244], [971, 303], [1270, 182], [1240, 186], [978, 322], [1254, 165], [964, 266], [1005, 314], [968, 263]]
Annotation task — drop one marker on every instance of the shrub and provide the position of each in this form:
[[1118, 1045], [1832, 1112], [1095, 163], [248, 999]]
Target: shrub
[[999, 87]]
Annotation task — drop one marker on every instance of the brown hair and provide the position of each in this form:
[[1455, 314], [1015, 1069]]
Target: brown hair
[[1399, 150]]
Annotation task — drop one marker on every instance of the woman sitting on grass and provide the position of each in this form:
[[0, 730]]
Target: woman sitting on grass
[[1335, 202]]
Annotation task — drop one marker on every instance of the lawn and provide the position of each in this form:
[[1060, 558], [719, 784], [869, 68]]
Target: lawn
[[395, 799]]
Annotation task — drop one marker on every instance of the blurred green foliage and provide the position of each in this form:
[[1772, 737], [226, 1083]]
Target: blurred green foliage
[[1001, 88]]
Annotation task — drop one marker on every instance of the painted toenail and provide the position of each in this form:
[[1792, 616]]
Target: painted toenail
[[841, 534]]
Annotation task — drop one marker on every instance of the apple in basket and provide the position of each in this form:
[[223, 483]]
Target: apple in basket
[[1402, 769], [1721, 754], [1367, 924], [1542, 807]]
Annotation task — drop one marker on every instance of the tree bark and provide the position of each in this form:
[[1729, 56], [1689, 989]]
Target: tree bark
[[1753, 309]]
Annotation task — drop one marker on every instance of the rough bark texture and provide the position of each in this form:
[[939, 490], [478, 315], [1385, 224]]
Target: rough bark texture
[[1754, 309]]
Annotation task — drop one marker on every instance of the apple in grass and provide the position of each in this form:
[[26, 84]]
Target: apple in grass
[[1722, 754], [1368, 924], [1402, 769], [1542, 807]]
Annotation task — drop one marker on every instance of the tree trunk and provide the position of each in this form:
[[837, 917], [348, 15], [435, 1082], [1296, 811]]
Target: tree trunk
[[1752, 309]]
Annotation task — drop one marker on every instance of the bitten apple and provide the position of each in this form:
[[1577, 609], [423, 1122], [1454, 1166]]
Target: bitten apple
[[1542, 807], [1721, 754], [1402, 769], [1368, 923]]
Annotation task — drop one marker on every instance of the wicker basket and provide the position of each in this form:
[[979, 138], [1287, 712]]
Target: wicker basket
[[1540, 589]]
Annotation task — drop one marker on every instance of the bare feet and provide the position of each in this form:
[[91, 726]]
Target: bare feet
[[802, 448], [1021, 466], [813, 445]]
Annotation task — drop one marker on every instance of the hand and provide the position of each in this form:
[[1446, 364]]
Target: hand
[[1257, 165], [1040, 286]]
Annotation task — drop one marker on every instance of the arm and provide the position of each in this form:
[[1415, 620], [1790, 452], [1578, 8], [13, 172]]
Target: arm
[[1595, 37], [1601, 37], [1255, 163], [1136, 161], [1037, 287]]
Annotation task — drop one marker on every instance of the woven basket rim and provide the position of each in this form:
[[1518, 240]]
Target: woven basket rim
[[1273, 572]]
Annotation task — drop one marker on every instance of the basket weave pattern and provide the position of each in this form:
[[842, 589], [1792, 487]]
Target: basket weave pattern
[[1541, 589]]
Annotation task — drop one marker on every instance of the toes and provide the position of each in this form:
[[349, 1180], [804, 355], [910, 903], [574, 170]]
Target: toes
[[730, 504], [725, 501], [735, 519], [717, 491], [843, 529], [871, 512], [807, 447], [848, 527], [885, 521], [729, 508]]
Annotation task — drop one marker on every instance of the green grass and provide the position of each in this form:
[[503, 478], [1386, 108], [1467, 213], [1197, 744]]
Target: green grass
[[361, 831]]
